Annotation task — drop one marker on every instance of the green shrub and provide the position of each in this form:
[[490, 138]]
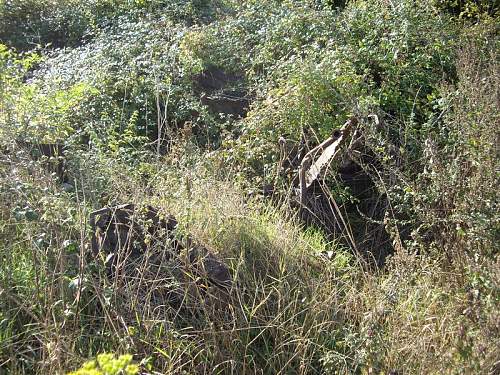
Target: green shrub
[[148, 89], [454, 196], [371, 58], [13, 68], [29, 24], [469, 9], [107, 364]]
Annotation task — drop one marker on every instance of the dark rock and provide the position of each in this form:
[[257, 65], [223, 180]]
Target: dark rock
[[227, 104], [267, 190], [214, 79], [140, 246], [124, 231], [50, 154], [352, 175], [222, 93], [209, 266]]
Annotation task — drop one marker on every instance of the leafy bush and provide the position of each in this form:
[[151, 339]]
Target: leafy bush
[[36, 24], [28, 24], [454, 196], [13, 68], [469, 9], [107, 364], [371, 58], [147, 89]]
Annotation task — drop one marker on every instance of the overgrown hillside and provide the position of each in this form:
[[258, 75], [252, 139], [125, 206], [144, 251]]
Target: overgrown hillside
[[249, 187]]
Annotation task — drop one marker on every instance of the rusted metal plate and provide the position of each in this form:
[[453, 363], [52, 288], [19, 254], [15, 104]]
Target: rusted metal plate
[[329, 149]]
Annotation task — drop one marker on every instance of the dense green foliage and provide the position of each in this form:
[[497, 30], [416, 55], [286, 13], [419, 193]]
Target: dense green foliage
[[106, 364], [127, 88]]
